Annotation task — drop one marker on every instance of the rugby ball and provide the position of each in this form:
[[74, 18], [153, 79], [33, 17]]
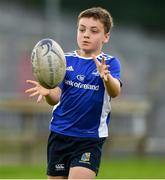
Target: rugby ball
[[48, 63]]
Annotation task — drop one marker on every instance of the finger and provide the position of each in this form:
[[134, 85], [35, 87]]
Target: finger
[[34, 94], [39, 98], [32, 82], [30, 90], [103, 60], [107, 66], [105, 78], [106, 72], [96, 61], [106, 75], [104, 68], [102, 76]]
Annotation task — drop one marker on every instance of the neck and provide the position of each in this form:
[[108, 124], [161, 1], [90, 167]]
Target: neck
[[87, 54]]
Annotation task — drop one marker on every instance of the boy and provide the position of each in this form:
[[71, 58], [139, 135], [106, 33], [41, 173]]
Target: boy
[[80, 120]]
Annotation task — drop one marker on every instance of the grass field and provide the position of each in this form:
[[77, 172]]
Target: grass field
[[115, 168]]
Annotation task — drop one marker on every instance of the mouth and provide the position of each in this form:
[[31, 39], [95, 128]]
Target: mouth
[[85, 42]]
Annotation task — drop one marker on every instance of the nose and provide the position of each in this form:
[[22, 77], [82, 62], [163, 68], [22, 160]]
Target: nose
[[86, 34]]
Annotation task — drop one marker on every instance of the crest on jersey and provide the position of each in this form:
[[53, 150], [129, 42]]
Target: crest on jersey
[[86, 157], [80, 77]]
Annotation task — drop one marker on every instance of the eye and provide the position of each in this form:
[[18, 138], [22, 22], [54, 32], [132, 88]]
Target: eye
[[82, 29], [94, 30]]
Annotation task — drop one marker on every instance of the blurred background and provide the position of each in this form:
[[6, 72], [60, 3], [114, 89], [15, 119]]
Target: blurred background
[[137, 129]]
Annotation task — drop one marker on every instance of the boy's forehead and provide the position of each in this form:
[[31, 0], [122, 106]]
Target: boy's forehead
[[90, 21]]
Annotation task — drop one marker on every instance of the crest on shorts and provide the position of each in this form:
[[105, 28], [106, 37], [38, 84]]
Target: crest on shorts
[[86, 157]]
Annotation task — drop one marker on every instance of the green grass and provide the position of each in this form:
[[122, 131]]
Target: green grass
[[22, 172], [133, 168], [114, 168]]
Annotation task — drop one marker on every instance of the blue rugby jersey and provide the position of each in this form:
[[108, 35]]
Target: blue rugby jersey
[[84, 108]]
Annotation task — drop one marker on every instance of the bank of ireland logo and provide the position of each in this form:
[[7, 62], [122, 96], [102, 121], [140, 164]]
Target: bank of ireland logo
[[80, 77]]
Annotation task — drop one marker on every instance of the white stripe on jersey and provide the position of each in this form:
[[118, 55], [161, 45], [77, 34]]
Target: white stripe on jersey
[[103, 127], [71, 54], [106, 57], [100, 56]]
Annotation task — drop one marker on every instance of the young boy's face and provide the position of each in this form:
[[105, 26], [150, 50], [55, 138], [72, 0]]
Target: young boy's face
[[91, 36]]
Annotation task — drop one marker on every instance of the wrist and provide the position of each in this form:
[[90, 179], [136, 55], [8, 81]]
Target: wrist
[[106, 78], [48, 93]]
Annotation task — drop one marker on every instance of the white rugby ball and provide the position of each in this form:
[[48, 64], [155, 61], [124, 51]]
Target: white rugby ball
[[48, 63]]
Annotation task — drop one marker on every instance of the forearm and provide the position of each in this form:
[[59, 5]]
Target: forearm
[[54, 96], [112, 86]]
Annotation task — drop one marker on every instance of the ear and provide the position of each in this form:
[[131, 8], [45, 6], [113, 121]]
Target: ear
[[106, 37]]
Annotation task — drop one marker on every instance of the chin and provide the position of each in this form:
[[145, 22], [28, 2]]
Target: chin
[[87, 51]]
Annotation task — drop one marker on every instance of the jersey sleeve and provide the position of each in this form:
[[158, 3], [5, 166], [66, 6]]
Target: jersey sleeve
[[114, 68], [61, 85]]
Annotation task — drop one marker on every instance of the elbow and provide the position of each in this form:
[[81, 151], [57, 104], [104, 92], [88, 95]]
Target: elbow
[[115, 93], [52, 103]]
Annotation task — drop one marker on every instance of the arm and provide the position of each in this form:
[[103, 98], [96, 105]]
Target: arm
[[52, 96], [111, 84]]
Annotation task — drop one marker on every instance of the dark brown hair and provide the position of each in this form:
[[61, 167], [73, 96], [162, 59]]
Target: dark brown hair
[[98, 13]]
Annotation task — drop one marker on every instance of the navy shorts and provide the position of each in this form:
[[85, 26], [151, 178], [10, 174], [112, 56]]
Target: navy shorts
[[64, 152]]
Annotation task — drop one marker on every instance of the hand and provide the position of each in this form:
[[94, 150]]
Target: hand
[[37, 90], [102, 68]]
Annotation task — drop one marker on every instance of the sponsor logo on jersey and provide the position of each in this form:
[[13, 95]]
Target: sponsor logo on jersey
[[81, 85], [69, 68], [96, 72], [80, 77], [59, 167]]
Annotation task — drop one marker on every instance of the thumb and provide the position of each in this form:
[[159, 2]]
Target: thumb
[[39, 98], [96, 61]]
